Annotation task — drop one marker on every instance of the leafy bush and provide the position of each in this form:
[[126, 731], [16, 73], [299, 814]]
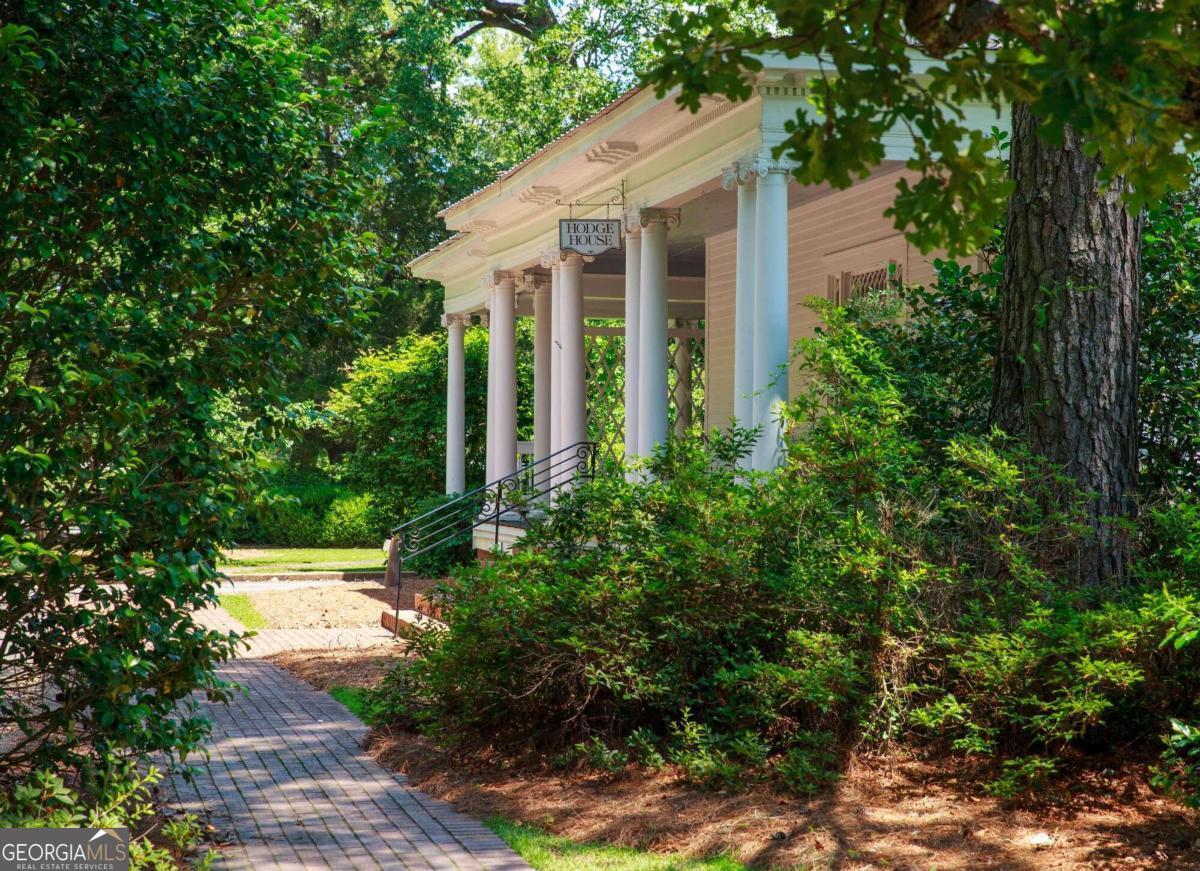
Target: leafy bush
[[311, 510], [390, 419], [890, 583], [1180, 771], [116, 795], [1169, 395], [175, 228], [937, 343]]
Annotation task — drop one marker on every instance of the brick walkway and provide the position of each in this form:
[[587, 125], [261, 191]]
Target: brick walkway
[[288, 785]]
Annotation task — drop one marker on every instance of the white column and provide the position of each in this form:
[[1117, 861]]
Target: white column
[[633, 316], [743, 316], [456, 404], [573, 425], [770, 312], [652, 330], [504, 330], [542, 377], [551, 262], [489, 424]]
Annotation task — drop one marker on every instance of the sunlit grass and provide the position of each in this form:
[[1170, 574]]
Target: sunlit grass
[[303, 559], [240, 608], [547, 852]]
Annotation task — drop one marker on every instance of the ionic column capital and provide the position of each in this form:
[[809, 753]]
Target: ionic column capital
[[495, 278], [570, 257], [485, 319], [549, 258], [740, 172], [632, 223], [764, 165], [531, 282], [456, 320], [670, 217]]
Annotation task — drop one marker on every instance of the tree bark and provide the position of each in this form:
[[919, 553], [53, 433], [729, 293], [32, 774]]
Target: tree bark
[[1066, 365]]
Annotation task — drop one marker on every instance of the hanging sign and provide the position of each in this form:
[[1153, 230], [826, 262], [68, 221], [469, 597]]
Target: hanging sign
[[589, 236]]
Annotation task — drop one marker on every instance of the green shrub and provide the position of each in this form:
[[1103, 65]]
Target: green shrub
[[178, 228], [114, 795], [1180, 770], [310, 509], [347, 523], [1060, 674], [390, 418], [883, 586]]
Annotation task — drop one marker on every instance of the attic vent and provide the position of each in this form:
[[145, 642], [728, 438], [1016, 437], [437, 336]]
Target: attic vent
[[851, 285]]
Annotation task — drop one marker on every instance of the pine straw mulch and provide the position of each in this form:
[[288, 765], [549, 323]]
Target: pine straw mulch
[[326, 668], [894, 813]]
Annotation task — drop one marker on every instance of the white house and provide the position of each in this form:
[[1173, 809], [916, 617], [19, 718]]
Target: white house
[[720, 246]]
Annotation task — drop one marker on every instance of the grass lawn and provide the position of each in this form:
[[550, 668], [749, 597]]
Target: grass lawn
[[251, 560], [354, 698], [240, 608], [547, 852]]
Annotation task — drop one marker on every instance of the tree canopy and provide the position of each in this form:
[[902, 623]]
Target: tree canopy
[[1126, 76], [178, 223]]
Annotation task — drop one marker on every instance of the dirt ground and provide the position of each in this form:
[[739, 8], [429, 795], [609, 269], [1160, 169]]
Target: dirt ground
[[344, 605], [899, 813]]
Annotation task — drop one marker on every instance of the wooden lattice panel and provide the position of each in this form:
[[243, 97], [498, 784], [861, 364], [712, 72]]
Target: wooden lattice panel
[[851, 285], [605, 368], [605, 371]]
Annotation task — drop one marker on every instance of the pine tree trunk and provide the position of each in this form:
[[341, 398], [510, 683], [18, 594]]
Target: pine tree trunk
[[1066, 366]]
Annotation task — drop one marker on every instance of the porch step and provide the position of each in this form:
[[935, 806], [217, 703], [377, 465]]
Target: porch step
[[422, 604], [408, 619], [410, 587]]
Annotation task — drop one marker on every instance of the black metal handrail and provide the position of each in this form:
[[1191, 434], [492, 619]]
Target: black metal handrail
[[513, 496]]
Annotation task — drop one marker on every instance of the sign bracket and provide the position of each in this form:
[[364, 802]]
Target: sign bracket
[[610, 197]]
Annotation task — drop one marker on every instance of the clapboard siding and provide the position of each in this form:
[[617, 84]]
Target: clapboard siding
[[834, 229], [720, 270]]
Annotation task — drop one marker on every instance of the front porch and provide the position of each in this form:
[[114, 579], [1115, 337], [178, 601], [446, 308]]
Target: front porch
[[690, 323]]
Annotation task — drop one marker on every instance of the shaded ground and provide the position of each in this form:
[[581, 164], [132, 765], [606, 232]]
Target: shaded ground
[[898, 815], [893, 814]]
